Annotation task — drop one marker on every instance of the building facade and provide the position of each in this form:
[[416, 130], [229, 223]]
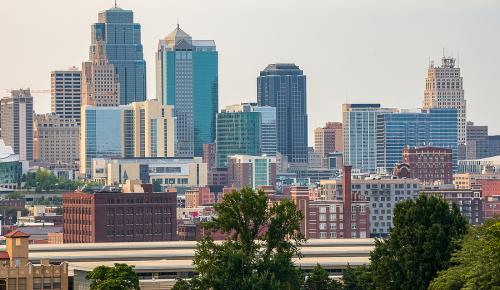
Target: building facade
[[329, 139], [430, 164], [66, 93], [138, 216], [17, 122], [187, 78], [251, 171], [283, 86], [116, 34], [10, 168], [56, 139], [238, 132], [444, 89]]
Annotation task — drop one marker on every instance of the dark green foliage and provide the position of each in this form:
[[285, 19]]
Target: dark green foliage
[[44, 180], [318, 280], [426, 232], [119, 277], [181, 285], [477, 264], [357, 278], [157, 186], [262, 239]]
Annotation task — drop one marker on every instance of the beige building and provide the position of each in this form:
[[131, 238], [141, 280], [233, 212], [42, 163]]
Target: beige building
[[17, 273], [100, 84], [66, 93], [56, 139], [328, 139], [444, 89]]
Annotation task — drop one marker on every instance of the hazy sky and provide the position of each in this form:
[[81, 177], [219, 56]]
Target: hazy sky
[[359, 51]]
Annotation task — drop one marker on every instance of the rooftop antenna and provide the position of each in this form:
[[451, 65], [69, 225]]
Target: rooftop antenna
[[116, 5], [458, 59], [444, 49], [177, 22]]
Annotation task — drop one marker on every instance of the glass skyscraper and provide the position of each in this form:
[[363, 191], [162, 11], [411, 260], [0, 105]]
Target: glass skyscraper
[[432, 127], [283, 86], [238, 132], [121, 41], [187, 78]]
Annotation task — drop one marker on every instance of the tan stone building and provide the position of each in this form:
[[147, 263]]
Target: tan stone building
[[56, 139], [328, 139], [17, 273]]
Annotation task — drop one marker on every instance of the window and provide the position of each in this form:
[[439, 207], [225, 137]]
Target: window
[[322, 235], [322, 226], [333, 217], [322, 217]]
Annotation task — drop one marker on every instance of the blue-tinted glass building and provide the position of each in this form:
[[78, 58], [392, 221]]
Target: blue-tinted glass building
[[283, 86], [123, 48], [432, 127], [187, 78]]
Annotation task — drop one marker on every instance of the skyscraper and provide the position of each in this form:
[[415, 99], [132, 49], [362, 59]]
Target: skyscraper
[[283, 86], [238, 132], [328, 139], [120, 39], [444, 89], [360, 135], [100, 82], [187, 78], [17, 122], [66, 93]]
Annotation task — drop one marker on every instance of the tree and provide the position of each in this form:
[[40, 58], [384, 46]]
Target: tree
[[119, 277], [157, 186], [181, 285], [476, 265], [357, 278], [319, 280], [261, 240], [426, 232]]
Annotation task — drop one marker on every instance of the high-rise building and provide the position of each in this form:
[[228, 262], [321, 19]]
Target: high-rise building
[[238, 132], [187, 78], [66, 93], [329, 139], [120, 39], [360, 135], [17, 122], [283, 86], [404, 128], [251, 171], [444, 89], [56, 139], [141, 129], [100, 82], [210, 155]]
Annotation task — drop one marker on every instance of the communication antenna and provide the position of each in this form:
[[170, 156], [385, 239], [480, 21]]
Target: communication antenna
[[116, 5]]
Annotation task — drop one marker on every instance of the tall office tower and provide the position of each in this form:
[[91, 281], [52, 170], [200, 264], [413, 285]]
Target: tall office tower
[[238, 132], [187, 78], [17, 122], [268, 133], [283, 86], [100, 82], [328, 139], [404, 128], [360, 135], [141, 129], [66, 93], [476, 141], [56, 139], [120, 39], [444, 89], [251, 171]]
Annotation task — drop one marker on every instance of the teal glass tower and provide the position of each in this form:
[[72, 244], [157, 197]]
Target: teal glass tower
[[187, 78], [121, 38]]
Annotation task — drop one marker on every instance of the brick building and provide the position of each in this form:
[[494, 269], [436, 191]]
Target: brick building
[[199, 196], [135, 215], [430, 164]]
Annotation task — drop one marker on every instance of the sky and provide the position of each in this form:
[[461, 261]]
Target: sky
[[351, 51]]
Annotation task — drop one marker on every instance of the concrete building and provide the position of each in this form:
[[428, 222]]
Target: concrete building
[[444, 89], [135, 215], [169, 172], [18, 273], [251, 171], [328, 139], [117, 36], [466, 180], [56, 139], [66, 93], [210, 155], [100, 81], [187, 78], [490, 165], [10, 168], [430, 164], [283, 86], [17, 122]]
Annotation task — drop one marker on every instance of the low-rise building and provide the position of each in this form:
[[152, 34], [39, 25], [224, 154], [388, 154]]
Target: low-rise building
[[430, 164], [251, 171], [10, 168]]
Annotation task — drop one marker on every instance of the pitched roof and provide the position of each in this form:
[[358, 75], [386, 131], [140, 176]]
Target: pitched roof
[[17, 234]]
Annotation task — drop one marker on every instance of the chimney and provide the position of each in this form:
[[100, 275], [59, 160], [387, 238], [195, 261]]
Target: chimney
[[347, 199]]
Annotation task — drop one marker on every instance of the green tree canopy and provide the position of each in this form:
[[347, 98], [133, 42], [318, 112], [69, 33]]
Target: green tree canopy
[[318, 280], [119, 277], [425, 234], [262, 238], [357, 278], [477, 264]]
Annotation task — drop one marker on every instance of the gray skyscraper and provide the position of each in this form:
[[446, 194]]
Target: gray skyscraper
[[121, 41], [17, 123], [283, 86], [66, 93]]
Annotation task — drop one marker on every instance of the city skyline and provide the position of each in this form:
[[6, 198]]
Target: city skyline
[[347, 29]]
